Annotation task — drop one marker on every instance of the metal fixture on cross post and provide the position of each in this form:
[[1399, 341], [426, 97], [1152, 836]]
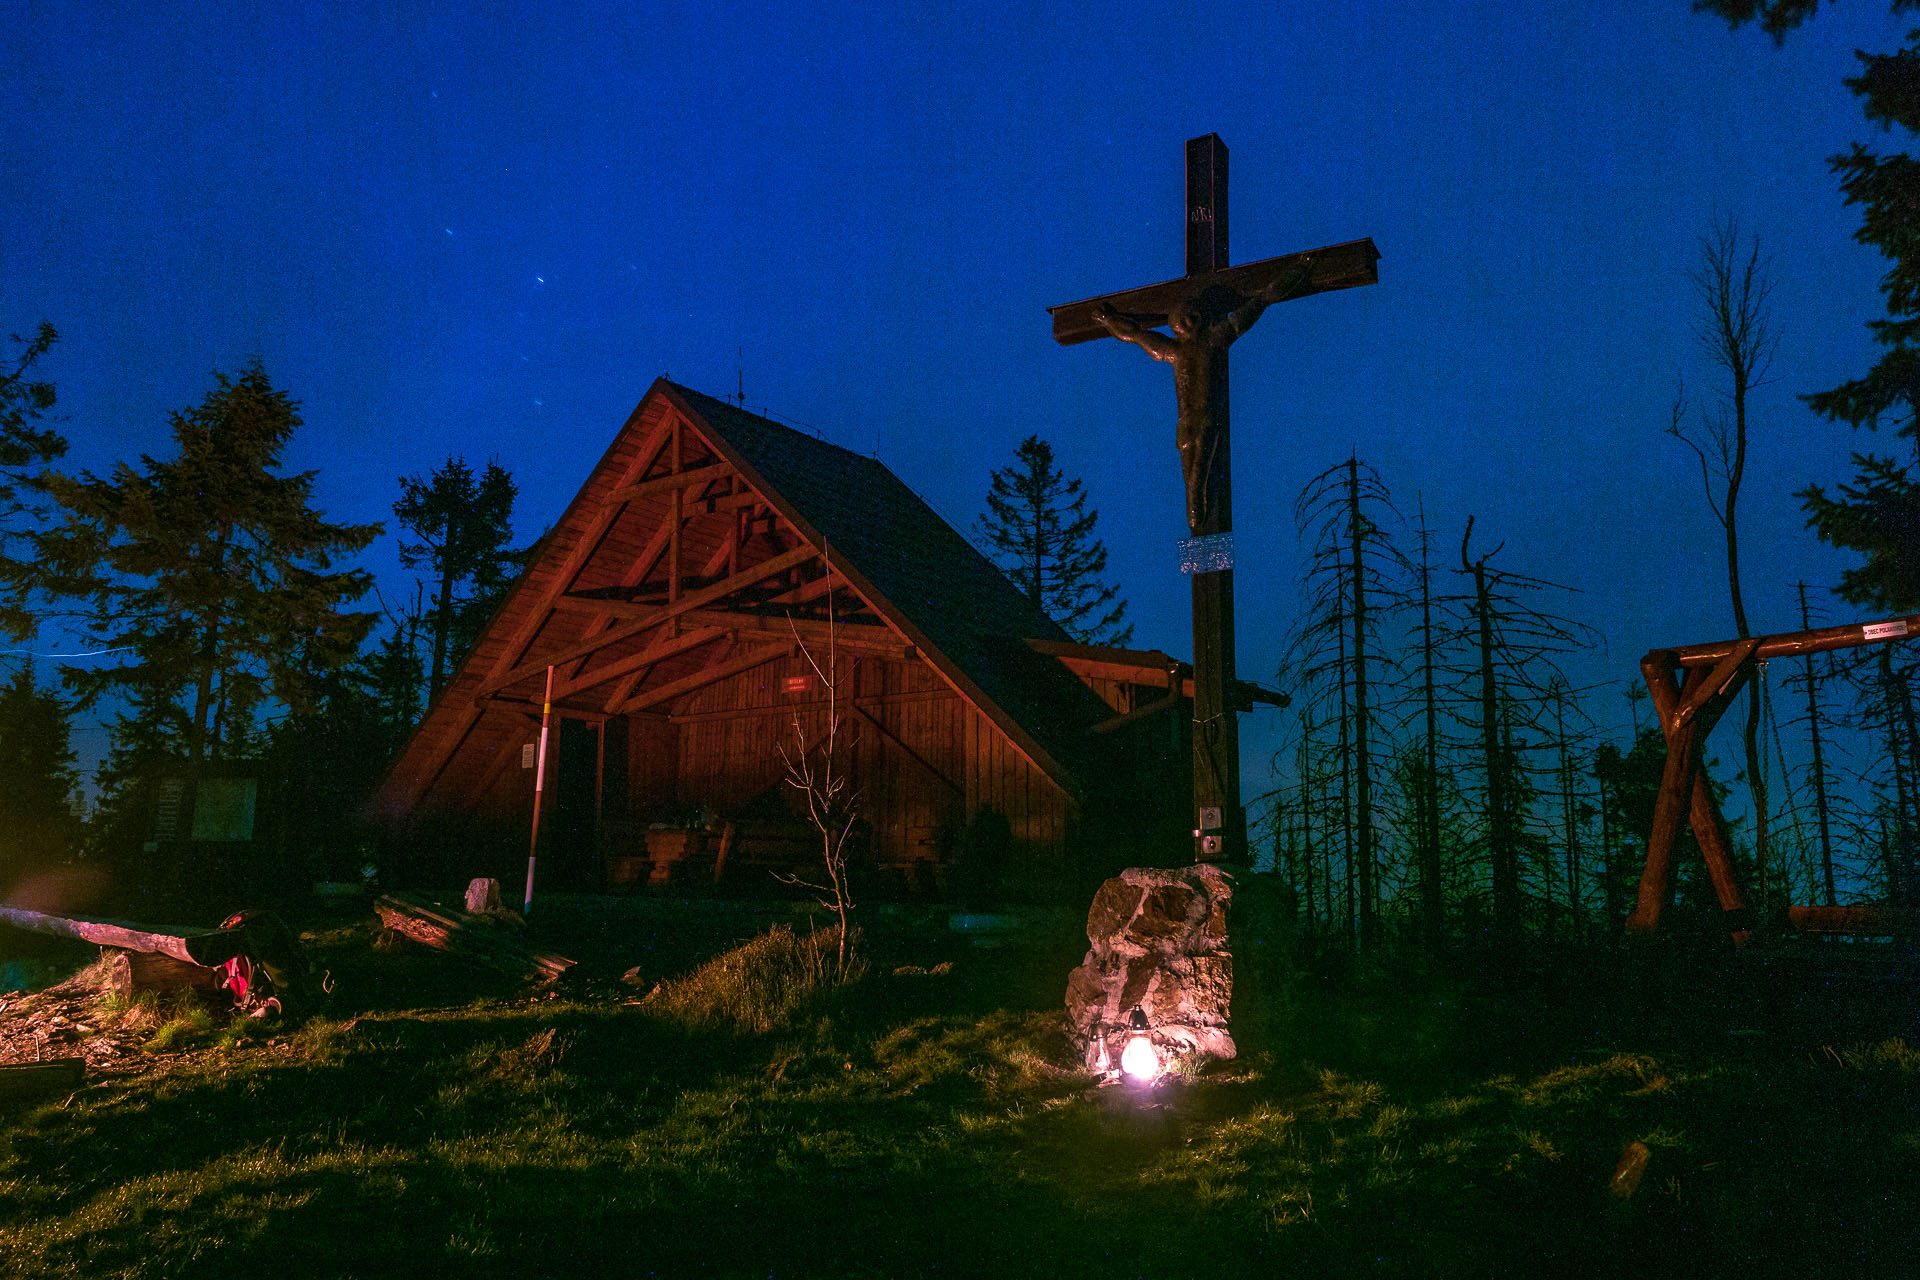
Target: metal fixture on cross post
[[1206, 310]]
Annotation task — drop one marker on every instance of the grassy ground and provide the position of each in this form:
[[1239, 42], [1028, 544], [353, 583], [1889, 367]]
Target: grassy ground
[[435, 1122]]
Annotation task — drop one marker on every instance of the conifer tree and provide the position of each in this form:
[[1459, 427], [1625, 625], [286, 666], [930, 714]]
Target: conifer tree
[[215, 573], [463, 524], [38, 824], [26, 444], [1038, 530]]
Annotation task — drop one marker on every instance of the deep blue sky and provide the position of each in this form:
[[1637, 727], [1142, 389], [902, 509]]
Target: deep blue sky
[[486, 228]]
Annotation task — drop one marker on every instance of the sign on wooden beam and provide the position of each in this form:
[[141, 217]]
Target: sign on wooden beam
[[1211, 554]]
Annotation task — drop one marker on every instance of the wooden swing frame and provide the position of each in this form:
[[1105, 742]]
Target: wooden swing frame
[[1691, 688]]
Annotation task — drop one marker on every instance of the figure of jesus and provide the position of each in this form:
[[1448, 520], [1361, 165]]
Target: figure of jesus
[[1197, 351]]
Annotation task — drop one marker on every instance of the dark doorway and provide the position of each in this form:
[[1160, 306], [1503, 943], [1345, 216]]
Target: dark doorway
[[571, 860]]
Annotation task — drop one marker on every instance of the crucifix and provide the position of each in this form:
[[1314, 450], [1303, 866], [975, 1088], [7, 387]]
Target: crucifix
[[1206, 310]]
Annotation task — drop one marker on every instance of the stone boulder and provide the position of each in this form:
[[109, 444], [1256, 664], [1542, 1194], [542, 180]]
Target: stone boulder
[[1159, 945]]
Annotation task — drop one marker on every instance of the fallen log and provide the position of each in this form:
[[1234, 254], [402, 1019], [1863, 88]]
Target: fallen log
[[189, 946], [26, 1081], [477, 938], [132, 973], [1866, 919]]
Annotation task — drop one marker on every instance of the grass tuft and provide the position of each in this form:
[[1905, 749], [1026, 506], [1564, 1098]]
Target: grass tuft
[[763, 985]]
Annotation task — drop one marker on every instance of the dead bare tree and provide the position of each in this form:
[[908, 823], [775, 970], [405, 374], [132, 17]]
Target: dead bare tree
[[819, 770], [1734, 326], [1354, 573]]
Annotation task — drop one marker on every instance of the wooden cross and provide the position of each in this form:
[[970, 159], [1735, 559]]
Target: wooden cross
[[1212, 294]]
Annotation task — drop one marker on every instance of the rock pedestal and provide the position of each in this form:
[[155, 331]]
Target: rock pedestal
[[1159, 940]]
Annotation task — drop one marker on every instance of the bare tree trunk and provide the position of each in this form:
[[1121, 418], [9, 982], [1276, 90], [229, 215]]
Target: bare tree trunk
[[1819, 764], [1346, 791], [1569, 806], [1432, 892], [1362, 764], [442, 630], [1616, 912], [1504, 857], [1737, 332], [1305, 758], [1901, 741]]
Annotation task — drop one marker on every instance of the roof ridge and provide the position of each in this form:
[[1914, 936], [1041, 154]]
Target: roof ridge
[[809, 434]]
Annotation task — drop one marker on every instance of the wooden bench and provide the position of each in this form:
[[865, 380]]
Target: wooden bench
[[766, 845]]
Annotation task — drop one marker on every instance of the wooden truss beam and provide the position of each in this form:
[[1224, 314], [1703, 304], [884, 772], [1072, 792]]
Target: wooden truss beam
[[643, 617], [678, 480], [705, 676], [663, 647], [528, 631], [892, 739]]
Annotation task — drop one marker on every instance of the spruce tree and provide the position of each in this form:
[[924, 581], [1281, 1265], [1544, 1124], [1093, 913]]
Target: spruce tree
[[216, 577], [1038, 530], [26, 444], [462, 524], [38, 823]]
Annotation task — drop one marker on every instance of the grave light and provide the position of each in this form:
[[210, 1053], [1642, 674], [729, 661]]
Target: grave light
[[1138, 1060]]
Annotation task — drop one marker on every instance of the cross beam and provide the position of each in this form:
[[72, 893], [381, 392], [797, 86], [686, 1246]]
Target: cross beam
[[1337, 266], [1207, 309]]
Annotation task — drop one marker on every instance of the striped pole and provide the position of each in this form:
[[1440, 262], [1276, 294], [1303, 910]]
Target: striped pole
[[539, 787]]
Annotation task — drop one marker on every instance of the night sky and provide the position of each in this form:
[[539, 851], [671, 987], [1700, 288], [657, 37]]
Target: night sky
[[485, 229]]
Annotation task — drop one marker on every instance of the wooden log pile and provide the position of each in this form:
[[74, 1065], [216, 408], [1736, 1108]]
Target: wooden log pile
[[483, 939]]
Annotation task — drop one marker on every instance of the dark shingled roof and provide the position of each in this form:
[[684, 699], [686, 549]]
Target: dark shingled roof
[[933, 579]]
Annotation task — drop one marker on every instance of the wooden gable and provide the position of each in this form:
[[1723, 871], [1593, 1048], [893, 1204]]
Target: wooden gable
[[684, 589]]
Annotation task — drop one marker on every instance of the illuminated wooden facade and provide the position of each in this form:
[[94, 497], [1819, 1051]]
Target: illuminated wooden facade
[[709, 561]]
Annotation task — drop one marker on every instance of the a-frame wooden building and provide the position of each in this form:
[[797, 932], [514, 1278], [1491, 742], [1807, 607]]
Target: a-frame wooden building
[[677, 603]]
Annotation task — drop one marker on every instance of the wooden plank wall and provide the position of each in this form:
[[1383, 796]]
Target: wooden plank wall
[[924, 763]]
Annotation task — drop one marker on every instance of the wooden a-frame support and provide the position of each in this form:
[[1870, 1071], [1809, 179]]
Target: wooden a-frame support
[[1691, 688]]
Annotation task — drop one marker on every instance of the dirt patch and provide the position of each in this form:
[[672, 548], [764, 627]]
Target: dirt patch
[[74, 1019]]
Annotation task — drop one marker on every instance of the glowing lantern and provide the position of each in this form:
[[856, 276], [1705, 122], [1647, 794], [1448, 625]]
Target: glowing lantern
[[1138, 1060]]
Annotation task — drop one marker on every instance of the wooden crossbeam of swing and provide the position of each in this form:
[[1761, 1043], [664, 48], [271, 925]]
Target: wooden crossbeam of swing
[[1688, 707]]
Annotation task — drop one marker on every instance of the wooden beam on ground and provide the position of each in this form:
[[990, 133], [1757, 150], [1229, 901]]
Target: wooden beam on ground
[[1866, 919], [133, 973], [476, 938], [190, 946]]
